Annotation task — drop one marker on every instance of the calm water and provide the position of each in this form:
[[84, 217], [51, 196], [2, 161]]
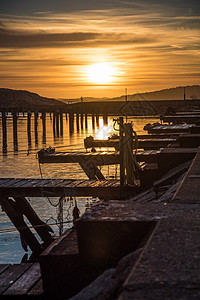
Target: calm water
[[24, 163]]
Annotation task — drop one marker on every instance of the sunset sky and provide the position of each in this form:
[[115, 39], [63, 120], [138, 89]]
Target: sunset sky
[[69, 49]]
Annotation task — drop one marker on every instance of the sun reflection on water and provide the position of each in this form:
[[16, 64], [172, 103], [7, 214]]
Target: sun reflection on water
[[104, 131]]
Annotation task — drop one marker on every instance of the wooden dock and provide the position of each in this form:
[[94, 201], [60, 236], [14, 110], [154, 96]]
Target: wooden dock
[[21, 187], [189, 190], [180, 118], [100, 157], [21, 280], [170, 128], [149, 142]]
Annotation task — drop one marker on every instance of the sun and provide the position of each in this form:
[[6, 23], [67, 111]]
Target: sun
[[101, 73]]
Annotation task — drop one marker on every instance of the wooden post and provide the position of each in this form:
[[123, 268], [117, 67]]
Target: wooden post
[[50, 115], [93, 121], [91, 170], [57, 124], [36, 126], [29, 127], [77, 122], [81, 121], [61, 123], [4, 125], [54, 124], [66, 116], [71, 122], [105, 119], [40, 227], [44, 127], [86, 123], [121, 152], [28, 121], [15, 131], [8, 206], [97, 120]]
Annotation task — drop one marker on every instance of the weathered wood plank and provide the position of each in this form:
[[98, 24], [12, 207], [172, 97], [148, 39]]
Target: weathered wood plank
[[81, 183], [17, 183], [4, 181], [66, 187], [24, 183], [189, 189], [10, 182], [3, 267], [85, 183], [37, 289], [10, 275], [16, 217], [64, 182], [29, 182], [40, 227], [25, 282]]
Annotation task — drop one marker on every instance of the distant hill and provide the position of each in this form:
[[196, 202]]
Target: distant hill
[[191, 92], [16, 98], [19, 98]]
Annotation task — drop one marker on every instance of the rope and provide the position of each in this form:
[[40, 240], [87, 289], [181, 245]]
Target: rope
[[52, 204], [5, 230], [130, 162], [60, 215]]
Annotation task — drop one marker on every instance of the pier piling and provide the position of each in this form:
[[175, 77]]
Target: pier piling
[[81, 121], [44, 127], [15, 142], [54, 124], [93, 121], [97, 120], [57, 124], [77, 122], [36, 126], [105, 119], [71, 122], [4, 127], [29, 128], [61, 123], [86, 121]]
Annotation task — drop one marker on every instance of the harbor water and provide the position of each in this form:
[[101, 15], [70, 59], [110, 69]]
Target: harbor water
[[23, 163]]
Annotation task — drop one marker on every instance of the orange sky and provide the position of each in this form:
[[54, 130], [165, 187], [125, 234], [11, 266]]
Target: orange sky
[[146, 47]]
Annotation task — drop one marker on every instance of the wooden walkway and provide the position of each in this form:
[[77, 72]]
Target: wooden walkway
[[149, 142], [21, 280], [188, 118], [100, 158], [189, 190], [21, 187], [170, 128]]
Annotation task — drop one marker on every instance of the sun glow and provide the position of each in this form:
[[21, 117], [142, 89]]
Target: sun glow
[[101, 73]]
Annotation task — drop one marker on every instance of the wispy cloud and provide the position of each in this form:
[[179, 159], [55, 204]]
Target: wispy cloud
[[147, 43]]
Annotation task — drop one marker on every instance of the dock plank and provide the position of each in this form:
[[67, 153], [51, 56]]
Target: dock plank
[[37, 289], [57, 188], [189, 189], [3, 267], [4, 181], [11, 274], [25, 282]]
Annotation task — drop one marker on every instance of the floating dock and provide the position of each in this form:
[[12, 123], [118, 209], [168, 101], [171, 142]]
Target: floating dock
[[21, 187]]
